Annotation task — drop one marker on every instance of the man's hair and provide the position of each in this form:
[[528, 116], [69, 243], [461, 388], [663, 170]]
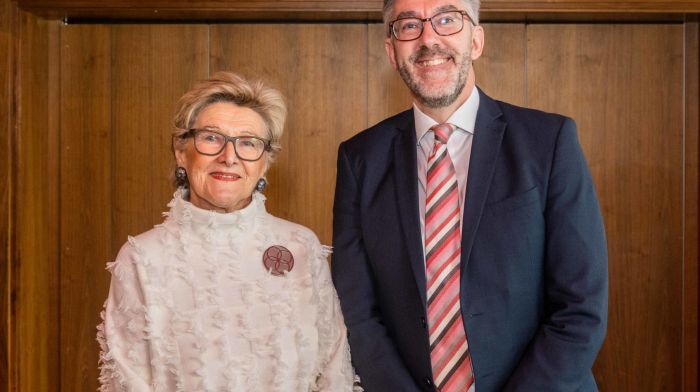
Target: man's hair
[[471, 6]]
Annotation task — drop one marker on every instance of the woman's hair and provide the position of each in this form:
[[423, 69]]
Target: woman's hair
[[229, 87], [471, 6]]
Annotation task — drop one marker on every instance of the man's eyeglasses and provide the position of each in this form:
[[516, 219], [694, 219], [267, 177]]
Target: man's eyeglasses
[[247, 148], [444, 23]]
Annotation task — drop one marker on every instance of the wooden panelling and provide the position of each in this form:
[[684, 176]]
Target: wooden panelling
[[624, 86], [500, 71], [386, 92], [328, 10], [591, 6], [152, 67], [7, 121], [321, 70], [37, 265], [87, 199], [691, 257]]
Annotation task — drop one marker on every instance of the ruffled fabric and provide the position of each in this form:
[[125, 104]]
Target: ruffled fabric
[[192, 307]]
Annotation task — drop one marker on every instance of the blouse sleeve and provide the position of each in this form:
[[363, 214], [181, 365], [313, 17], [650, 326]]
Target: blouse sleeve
[[124, 352], [336, 372]]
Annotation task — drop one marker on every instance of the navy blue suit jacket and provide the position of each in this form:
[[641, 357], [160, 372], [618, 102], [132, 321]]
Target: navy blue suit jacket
[[533, 265]]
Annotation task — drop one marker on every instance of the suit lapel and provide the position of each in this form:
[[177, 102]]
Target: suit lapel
[[489, 129], [487, 141], [407, 198]]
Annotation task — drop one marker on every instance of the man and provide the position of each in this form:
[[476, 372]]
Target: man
[[469, 248]]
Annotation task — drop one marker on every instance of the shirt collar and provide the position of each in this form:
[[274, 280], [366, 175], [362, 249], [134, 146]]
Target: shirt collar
[[464, 117]]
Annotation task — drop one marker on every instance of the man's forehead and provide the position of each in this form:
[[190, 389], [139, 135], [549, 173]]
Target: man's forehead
[[403, 9]]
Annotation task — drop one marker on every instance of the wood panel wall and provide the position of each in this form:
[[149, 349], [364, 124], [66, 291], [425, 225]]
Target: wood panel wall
[[37, 273], [92, 164], [7, 52], [628, 98], [691, 234], [366, 10]]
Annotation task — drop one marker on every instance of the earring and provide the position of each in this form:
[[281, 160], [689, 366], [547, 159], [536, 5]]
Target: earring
[[260, 186], [181, 174]]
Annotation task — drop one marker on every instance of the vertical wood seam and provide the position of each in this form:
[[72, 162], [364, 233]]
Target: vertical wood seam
[[54, 109], [11, 252], [691, 152]]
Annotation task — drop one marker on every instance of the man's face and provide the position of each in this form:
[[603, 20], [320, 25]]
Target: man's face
[[435, 68]]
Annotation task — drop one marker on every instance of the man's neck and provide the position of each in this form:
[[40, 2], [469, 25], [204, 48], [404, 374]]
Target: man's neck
[[441, 114]]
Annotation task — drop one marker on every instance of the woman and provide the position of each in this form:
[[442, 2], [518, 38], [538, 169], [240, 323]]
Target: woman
[[223, 296]]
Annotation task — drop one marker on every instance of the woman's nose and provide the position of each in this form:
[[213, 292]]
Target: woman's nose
[[229, 153]]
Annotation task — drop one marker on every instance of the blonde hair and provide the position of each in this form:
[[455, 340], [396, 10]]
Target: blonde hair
[[229, 87]]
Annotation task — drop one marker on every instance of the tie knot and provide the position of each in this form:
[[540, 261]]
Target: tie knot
[[442, 132]]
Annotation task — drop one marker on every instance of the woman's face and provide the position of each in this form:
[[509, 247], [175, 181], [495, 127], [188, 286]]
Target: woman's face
[[223, 182]]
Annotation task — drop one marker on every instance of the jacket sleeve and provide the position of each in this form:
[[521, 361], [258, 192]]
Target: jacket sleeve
[[124, 355], [561, 354], [374, 354]]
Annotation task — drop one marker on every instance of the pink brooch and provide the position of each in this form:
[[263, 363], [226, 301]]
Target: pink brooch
[[277, 259]]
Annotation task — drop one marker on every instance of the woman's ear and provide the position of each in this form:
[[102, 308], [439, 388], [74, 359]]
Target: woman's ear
[[180, 154]]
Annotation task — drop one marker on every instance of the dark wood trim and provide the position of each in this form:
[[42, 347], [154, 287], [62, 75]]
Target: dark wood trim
[[692, 203], [342, 10], [8, 114], [36, 296]]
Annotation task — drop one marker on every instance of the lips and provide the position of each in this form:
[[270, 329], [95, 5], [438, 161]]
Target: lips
[[225, 176]]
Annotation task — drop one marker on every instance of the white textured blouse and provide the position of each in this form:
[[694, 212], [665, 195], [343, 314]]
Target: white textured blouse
[[192, 307]]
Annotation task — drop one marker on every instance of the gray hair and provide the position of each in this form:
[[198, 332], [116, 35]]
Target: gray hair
[[471, 6]]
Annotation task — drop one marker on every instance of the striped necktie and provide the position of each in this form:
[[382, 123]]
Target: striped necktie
[[449, 354]]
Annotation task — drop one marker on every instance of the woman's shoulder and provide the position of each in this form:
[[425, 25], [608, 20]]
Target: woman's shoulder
[[284, 226], [139, 244]]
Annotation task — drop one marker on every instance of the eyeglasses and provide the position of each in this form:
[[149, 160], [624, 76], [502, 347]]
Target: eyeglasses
[[247, 148], [444, 23]]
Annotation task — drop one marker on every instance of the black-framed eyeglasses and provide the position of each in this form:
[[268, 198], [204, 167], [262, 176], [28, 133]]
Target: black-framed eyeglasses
[[444, 23], [209, 142]]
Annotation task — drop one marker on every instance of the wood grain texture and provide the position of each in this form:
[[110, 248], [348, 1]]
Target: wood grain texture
[[7, 78], [500, 71], [293, 9], [153, 66], [691, 257], [386, 92], [37, 268], [321, 70], [624, 86], [87, 197]]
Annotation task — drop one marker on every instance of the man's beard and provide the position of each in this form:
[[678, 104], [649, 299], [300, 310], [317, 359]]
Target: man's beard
[[441, 98]]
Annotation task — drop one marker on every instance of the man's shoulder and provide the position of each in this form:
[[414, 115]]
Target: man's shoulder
[[514, 114], [383, 131]]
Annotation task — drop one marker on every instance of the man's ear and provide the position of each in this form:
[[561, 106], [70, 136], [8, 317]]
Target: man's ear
[[391, 54], [477, 42]]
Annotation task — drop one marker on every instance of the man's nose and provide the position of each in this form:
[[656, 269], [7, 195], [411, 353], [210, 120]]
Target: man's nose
[[429, 36]]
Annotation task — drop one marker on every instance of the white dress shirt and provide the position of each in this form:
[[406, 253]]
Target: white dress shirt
[[459, 146]]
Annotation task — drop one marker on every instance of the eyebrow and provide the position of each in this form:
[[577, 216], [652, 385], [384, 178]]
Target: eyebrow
[[414, 14], [214, 128]]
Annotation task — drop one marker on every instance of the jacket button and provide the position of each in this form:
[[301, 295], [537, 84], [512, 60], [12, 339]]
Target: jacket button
[[428, 382], [423, 323]]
